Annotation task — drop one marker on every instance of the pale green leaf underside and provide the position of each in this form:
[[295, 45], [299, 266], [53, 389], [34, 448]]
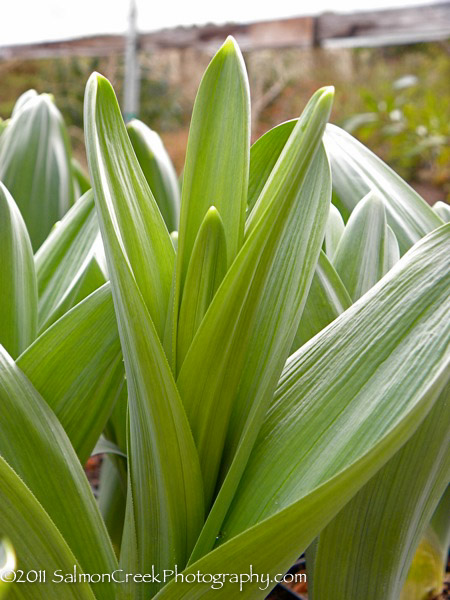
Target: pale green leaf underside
[[37, 543], [76, 365], [29, 429], [35, 165], [356, 171], [18, 298], [338, 422], [382, 525], [63, 260], [366, 251]]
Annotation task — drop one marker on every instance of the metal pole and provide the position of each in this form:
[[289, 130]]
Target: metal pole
[[132, 71]]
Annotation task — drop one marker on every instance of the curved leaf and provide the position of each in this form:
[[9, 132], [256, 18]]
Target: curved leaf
[[264, 153], [18, 298], [206, 270], [29, 429], [382, 525], [333, 424], [35, 165], [333, 232], [163, 462], [327, 299], [119, 183], [63, 261], [443, 210], [158, 170], [366, 251], [37, 542], [356, 171], [235, 360], [76, 365]]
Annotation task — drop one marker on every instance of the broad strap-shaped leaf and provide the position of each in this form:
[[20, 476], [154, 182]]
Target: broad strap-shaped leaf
[[22, 100], [217, 155], [232, 367], [80, 179], [366, 250], [76, 365], [8, 564], [119, 183], [158, 170], [356, 171], [333, 425], [29, 429], [264, 154], [428, 568], [327, 299], [18, 298], [382, 525], [64, 263], [333, 232], [163, 461], [206, 270], [442, 210], [37, 543], [35, 165]]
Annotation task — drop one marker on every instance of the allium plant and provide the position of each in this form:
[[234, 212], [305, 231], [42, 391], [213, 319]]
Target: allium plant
[[263, 364]]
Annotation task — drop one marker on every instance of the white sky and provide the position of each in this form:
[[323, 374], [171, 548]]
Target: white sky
[[24, 21]]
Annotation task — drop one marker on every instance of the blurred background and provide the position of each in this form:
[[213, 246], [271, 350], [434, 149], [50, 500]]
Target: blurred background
[[389, 63]]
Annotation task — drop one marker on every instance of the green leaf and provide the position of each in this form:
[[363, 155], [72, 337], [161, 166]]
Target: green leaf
[[206, 270], [333, 424], [327, 299], [119, 182], [81, 179], [7, 564], [264, 154], [35, 165], [382, 525], [29, 429], [22, 100], [356, 171], [65, 264], [18, 300], [163, 462], [37, 543], [443, 210], [232, 367], [158, 170], [76, 365], [366, 251], [217, 158], [333, 232]]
